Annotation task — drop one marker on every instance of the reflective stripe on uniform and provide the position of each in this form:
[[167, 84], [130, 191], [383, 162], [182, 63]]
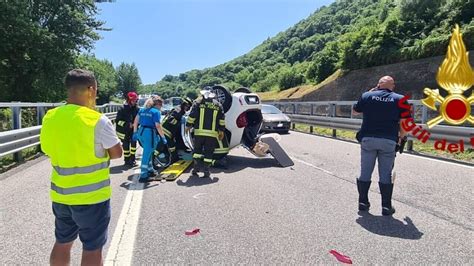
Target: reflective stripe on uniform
[[205, 132], [133, 150], [81, 170], [221, 151], [198, 156], [222, 122], [214, 116], [221, 148], [80, 189], [121, 123], [167, 133], [209, 161], [190, 120], [202, 110], [172, 149], [120, 135]]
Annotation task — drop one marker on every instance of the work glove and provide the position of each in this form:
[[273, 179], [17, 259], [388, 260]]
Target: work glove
[[221, 135], [135, 136], [164, 140]]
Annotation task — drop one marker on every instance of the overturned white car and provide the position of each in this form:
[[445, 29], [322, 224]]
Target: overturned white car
[[243, 120]]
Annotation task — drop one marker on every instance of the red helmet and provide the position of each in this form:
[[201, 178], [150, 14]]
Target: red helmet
[[132, 96]]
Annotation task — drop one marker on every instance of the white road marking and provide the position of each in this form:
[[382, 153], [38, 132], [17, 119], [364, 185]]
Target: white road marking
[[198, 195], [123, 240], [312, 165], [404, 154], [438, 160]]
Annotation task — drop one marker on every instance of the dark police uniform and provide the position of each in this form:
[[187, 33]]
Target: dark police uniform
[[207, 119], [125, 117], [379, 137]]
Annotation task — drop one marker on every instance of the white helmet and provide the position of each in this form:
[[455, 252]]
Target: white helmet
[[207, 93]]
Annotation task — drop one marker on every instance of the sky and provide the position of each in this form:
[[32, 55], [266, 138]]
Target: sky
[[174, 36]]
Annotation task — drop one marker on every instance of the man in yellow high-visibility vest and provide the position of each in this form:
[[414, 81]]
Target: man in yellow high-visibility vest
[[80, 143]]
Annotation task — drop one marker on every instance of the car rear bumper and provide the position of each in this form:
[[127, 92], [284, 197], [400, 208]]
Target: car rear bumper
[[276, 126]]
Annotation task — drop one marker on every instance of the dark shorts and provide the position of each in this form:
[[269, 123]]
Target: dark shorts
[[90, 222]]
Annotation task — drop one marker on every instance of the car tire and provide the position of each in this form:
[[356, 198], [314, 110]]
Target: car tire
[[223, 96], [243, 90]]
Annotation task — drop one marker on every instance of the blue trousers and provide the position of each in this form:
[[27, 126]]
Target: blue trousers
[[382, 150], [148, 140]]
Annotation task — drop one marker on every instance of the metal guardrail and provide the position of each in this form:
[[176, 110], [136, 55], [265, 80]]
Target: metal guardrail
[[338, 115], [18, 139]]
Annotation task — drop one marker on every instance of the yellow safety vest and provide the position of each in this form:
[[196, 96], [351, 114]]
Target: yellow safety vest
[[79, 177]]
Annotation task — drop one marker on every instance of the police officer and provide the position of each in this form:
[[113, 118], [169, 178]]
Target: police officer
[[147, 129], [207, 119], [172, 126], [379, 135], [125, 117]]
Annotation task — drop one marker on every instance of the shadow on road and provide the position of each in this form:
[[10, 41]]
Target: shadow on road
[[389, 226], [132, 183], [194, 181], [118, 169], [238, 163]]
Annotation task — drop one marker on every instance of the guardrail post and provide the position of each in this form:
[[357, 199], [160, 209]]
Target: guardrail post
[[424, 114], [312, 109], [311, 129], [39, 118], [293, 126], [39, 115], [410, 145], [332, 113], [294, 108], [16, 112]]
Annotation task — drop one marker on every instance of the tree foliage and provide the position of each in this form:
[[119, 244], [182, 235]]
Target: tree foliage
[[39, 41], [105, 74], [128, 78]]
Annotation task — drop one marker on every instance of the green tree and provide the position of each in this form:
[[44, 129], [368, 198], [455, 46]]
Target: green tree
[[290, 78], [39, 43], [105, 74], [128, 78]]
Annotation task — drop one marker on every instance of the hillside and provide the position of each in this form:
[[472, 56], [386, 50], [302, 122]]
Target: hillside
[[410, 76], [347, 35]]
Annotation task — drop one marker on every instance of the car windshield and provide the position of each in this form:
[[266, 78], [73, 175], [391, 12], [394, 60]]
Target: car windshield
[[270, 109]]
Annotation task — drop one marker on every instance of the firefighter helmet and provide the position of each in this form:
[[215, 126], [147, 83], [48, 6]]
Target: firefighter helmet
[[132, 96]]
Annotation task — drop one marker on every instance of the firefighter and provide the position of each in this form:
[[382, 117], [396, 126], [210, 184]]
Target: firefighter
[[207, 119], [172, 126], [125, 118]]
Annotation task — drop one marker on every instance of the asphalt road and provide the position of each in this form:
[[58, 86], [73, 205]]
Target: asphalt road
[[256, 212]]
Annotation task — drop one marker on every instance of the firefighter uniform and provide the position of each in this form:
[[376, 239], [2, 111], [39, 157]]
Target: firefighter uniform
[[207, 119], [172, 126], [125, 118]]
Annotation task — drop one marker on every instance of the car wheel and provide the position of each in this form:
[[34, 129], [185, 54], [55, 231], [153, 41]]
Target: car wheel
[[223, 96], [244, 90]]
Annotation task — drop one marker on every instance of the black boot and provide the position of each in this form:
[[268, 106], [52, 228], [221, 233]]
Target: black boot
[[195, 167], [386, 191], [207, 174], [363, 189]]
